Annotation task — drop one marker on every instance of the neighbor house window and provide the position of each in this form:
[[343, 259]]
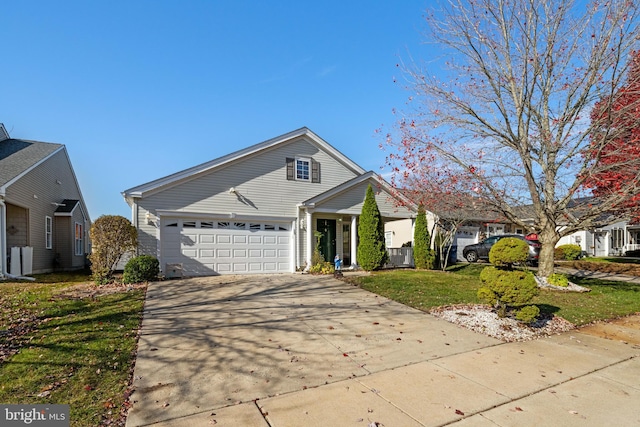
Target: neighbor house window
[[79, 240], [48, 232], [302, 169]]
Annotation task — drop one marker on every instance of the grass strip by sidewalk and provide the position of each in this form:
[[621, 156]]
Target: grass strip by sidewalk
[[79, 350], [426, 289]]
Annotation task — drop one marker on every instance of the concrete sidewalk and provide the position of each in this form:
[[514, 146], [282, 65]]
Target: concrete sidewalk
[[294, 350]]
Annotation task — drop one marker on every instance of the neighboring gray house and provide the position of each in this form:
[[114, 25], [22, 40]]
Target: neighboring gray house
[[43, 218], [256, 210]]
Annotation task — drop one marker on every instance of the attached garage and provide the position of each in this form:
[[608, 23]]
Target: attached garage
[[204, 247]]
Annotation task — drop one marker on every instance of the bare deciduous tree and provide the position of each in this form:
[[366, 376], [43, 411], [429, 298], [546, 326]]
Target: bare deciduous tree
[[513, 113]]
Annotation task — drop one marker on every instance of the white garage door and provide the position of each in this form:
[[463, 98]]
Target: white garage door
[[465, 236], [208, 247]]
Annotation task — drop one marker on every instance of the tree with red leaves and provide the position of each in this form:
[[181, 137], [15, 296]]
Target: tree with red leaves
[[508, 122], [616, 147]]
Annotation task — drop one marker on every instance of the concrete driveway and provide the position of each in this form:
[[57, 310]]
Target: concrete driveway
[[300, 350]]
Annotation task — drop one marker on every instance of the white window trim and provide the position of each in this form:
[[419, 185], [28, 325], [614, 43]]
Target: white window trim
[[80, 247], [295, 168], [48, 232]]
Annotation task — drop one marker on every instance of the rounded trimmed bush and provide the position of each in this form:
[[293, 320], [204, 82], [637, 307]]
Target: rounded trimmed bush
[[569, 252], [528, 314], [143, 268], [509, 251]]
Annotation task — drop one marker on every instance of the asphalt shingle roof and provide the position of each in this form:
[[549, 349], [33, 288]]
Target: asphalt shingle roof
[[18, 155]]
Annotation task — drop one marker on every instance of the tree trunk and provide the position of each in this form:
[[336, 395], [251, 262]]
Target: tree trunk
[[549, 237]]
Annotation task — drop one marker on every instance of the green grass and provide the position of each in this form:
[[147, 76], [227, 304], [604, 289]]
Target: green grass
[[427, 289], [80, 351]]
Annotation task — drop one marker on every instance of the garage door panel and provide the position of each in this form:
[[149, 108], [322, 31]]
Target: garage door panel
[[207, 238], [270, 240], [223, 253], [207, 253], [190, 253], [271, 267], [255, 267], [283, 240], [255, 253], [283, 253], [223, 267], [226, 247]]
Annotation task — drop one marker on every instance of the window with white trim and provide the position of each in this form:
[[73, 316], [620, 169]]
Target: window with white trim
[[48, 232], [79, 239], [303, 169]]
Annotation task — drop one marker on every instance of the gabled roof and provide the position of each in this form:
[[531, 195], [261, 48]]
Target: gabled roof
[[346, 186], [18, 156], [191, 173], [67, 207]]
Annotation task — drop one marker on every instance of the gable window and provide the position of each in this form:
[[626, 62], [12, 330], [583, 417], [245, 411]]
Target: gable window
[[79, 240], [48, 232], [303, 169]]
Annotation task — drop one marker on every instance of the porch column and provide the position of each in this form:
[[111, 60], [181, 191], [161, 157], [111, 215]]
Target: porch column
[[354, 241], [309, 225]]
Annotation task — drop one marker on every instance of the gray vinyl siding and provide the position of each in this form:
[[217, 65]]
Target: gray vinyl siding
[[350, 202], [36, 191], [260, 182]]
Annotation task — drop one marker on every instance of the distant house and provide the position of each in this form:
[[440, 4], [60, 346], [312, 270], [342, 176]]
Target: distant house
[[262, 209], [43, 218]]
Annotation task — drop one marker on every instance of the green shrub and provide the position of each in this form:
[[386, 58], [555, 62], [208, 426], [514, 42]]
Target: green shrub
[[509, 251], [371, 254], [558, 279], [143, 268], [504, 287], [528, 314], [568, 252], [111, 237], [423, 256], [324, 267]]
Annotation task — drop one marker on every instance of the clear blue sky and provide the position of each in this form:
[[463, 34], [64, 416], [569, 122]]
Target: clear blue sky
[[137, 90]]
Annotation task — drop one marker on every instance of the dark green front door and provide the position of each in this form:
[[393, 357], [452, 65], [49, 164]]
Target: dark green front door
[[328, 240]]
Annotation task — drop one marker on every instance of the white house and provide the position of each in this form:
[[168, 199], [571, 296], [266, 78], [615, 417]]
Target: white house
[[257, 210]]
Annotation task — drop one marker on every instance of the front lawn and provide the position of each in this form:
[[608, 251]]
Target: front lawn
[[427, 289], [75, 345]]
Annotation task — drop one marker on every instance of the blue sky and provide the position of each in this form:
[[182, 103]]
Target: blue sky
[[137, 90]]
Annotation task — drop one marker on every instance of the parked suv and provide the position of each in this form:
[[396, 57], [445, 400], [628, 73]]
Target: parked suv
[[473, 253]]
